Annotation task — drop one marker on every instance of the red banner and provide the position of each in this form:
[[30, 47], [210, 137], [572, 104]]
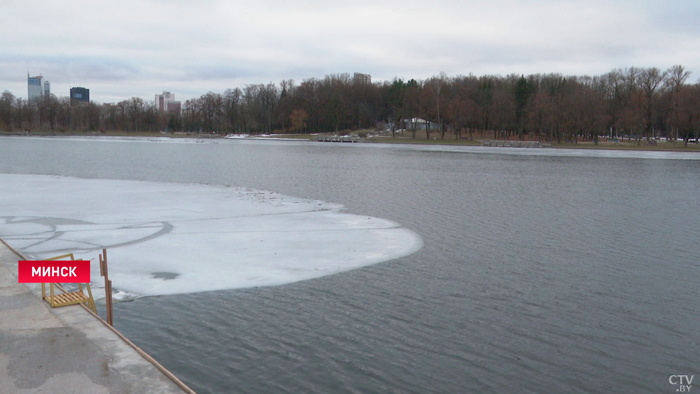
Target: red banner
[[54, 271]]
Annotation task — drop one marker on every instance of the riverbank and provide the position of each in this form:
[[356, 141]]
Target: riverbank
[[603, 143], [66, 350], [399, 138]]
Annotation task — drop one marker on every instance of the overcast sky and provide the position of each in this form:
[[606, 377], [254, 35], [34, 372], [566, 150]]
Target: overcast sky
[[121, 49]]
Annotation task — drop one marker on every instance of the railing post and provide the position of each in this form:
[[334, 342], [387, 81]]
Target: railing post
[[108, 286]]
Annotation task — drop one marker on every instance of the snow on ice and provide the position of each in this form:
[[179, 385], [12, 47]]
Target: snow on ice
[[169, 238]]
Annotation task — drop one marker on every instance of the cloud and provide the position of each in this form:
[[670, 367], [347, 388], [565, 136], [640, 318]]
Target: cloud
[[137, 48]]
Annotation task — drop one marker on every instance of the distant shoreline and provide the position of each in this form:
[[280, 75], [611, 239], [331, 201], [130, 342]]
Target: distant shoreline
[[603, 143]]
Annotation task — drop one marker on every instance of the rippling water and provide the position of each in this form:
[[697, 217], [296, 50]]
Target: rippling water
[[538, 274]]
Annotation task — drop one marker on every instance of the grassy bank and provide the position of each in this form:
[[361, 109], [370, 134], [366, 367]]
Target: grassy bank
[[435, 139], [399, 138]]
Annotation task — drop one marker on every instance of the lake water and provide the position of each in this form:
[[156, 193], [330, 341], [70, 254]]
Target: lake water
[[541, 270]]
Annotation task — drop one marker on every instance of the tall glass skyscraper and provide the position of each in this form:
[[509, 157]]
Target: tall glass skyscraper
[[36, 88]]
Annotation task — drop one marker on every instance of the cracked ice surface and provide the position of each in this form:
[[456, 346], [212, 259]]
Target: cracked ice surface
[[169, 238]]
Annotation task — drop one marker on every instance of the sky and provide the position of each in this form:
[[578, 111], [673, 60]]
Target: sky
[[138, 48]]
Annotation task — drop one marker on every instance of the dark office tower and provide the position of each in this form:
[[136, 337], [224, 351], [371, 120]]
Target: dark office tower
[[79, 96]]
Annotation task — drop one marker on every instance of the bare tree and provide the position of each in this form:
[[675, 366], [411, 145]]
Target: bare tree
[[651, 80], [232, 103], [675, 78], [7, 110], [688, 113], [436, 84], [298, 120]]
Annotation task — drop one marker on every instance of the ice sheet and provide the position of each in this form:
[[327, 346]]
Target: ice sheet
[[554, 152], [166, 238]]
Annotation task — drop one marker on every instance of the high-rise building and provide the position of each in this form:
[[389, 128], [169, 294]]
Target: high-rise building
[[79, 96], [174, 107], [360, 78], [47, 88], [166, 103], [35, 87]]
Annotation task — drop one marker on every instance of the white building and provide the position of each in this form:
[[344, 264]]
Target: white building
[[420, 124], [166, 103], [360, 78]]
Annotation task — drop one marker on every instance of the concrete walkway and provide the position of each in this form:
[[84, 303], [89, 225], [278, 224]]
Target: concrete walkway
[[64, 350]]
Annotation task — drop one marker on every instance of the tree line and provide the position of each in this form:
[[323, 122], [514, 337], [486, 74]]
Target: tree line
[[634, 103]]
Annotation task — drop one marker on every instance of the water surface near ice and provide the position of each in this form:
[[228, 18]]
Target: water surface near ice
[[169, 238]]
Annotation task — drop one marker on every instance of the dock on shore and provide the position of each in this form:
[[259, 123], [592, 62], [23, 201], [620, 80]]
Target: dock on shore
[[351, 139], [518, 144], [68, 349]]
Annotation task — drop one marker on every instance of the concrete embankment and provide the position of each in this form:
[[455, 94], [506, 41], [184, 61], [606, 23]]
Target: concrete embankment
[[68, 349]]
